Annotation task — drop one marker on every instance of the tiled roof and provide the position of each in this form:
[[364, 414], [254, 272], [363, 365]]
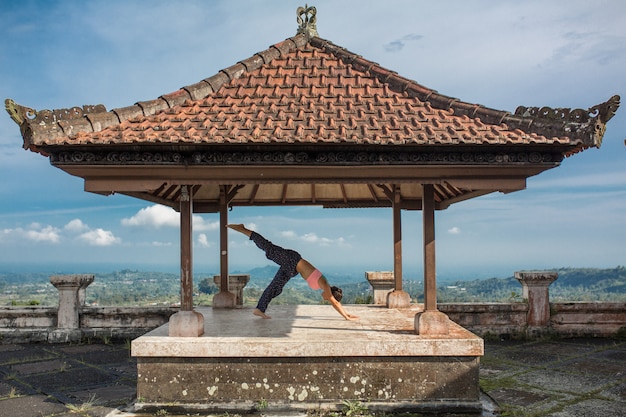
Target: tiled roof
[[310, 91]]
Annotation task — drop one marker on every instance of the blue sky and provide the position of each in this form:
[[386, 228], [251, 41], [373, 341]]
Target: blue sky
[[569, 53]]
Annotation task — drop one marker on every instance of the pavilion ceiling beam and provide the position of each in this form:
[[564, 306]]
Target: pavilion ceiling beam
[[439, 195], [313, 198], [159, 190], [284, 193], [255, 190], [169, 191], [387, 190], [343, 193], [232, 191], [373, 192], [450, 190], [504, 183], [114, 178], [465, 196]]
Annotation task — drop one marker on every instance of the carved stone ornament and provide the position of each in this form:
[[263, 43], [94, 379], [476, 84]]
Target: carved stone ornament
[[20, 114], [604, 112], [307, 20]]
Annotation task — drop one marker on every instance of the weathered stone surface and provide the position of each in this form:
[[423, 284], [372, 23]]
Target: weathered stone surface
[[186, 324], [305, 382], [70, 300], [224, 299], [398, 299], [382, 283], [308, 356], [432, 323], [535, 289], [236, 284]]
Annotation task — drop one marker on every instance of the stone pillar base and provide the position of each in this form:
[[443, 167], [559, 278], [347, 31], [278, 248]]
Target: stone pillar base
[[186, 324], [432, 322], [398, 299], [236, 284], [224, 299]]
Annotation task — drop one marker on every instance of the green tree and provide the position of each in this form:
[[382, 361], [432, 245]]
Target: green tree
[[207, 286]]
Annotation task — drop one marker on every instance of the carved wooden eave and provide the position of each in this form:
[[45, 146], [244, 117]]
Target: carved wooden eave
[[306, 122]]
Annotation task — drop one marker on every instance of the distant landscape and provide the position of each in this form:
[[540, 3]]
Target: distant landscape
[[130, 287]]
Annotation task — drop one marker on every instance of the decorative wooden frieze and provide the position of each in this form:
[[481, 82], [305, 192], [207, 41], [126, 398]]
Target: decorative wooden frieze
[[299, 158]]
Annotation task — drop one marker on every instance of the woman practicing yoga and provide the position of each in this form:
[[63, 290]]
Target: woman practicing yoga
[[291, 263]]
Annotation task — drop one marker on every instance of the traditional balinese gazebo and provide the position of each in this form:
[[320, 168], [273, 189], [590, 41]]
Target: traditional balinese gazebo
[[306, 122]]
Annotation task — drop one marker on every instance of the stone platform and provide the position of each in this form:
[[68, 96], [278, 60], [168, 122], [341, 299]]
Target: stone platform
[[308, 357]]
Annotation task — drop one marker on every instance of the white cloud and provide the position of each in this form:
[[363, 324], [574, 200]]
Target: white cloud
[[289, 234], [39, 233], [202, 225], [162, 216], [160, 244], [203, 240], [154, 216], [313, 238], [44, 234], [76, 226], [35, 232], [454, 230], [99, 237]]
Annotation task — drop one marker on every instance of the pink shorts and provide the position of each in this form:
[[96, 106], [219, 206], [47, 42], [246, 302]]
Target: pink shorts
[[313, 279]]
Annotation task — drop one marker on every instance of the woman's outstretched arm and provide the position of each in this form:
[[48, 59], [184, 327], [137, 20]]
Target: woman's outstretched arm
[[327, 295]]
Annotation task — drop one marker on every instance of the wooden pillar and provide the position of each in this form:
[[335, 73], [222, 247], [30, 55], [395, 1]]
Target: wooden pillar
[[430, 277], [397, 239], [223, 238], [398, 298], [431, 321], [224, 298], [186, 269], [186, 322]]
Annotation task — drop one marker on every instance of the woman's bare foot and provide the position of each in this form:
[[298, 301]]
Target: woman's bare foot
[[259, 313], [241, 229]]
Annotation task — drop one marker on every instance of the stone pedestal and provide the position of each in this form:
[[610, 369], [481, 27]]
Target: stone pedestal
[[398, 299], [432, 323], [186, 324], [382, 283], [236, 284], [69, 287], [71, 298], [224, 299], [535, 289]]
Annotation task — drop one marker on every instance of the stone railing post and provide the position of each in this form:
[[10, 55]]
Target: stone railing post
[[382, 283], [236, 284], [535, 289], [71, 298]]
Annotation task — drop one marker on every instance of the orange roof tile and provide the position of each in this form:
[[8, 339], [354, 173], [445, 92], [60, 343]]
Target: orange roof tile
[[310, 91]]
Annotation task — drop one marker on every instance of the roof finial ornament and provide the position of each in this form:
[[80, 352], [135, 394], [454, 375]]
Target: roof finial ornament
[[306, 22]]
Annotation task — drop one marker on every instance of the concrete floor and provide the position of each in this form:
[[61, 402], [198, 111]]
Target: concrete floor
[[309, 330]]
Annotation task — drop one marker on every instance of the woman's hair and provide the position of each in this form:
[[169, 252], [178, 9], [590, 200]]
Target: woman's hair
[[337, 293]]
